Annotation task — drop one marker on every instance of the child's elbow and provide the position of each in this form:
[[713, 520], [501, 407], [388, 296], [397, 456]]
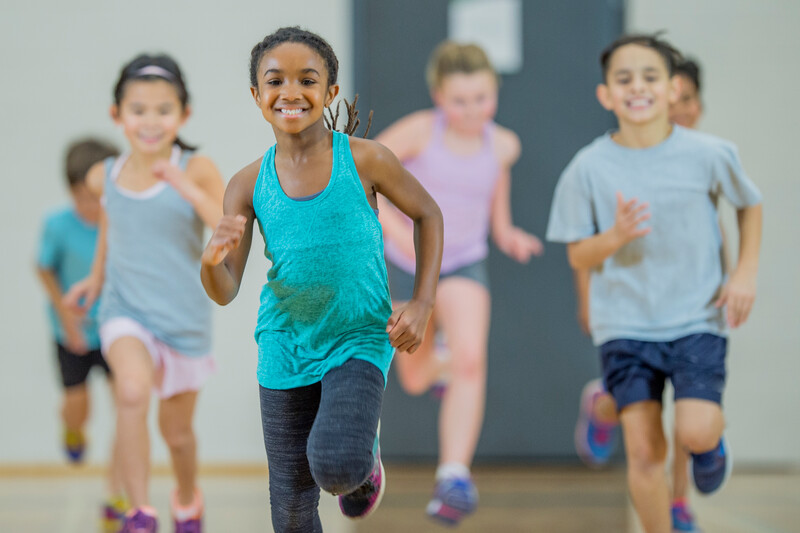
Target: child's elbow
[[573, 258]]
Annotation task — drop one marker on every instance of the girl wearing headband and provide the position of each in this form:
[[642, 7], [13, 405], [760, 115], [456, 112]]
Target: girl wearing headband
[[155, 320]]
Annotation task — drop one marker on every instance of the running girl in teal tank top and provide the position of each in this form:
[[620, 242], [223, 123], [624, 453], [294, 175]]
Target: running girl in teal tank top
[[154, 318], [326, 330]]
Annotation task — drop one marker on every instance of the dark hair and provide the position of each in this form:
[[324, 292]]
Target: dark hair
[[668, 53], [133, 72], [691, 70], [84, 153], [295, 34]]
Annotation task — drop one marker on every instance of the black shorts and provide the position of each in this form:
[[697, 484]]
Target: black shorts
[[75, 368]]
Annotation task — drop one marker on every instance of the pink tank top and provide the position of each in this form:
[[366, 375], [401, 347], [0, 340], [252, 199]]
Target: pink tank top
[[463, 187]]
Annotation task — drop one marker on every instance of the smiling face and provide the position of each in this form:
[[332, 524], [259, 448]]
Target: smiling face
[[150, 114], [638, 88], [468, 101], [688, 108], [293, 88]]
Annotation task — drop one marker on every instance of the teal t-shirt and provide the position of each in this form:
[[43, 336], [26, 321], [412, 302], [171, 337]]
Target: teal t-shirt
[[662, 286], [67, 248], [326, 299]]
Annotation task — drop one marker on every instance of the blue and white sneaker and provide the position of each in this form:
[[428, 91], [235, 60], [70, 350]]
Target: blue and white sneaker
[[595, 442], [712, 469], [453, 499], [683, 520]]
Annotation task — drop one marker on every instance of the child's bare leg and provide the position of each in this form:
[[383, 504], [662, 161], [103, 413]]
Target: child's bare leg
[[114, 475], [680, 470], [132, 365], [605, 409], [419, 370], [75, 407], [175, 421], [698, 424], [463, 310], [646, 451]]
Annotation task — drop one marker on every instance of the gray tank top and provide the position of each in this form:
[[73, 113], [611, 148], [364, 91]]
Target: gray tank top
[[155, 239]]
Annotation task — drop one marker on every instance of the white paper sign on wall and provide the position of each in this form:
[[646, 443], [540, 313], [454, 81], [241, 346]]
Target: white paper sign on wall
[[494, 25]]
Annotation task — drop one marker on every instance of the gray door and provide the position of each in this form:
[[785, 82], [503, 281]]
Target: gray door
[[538, 358]]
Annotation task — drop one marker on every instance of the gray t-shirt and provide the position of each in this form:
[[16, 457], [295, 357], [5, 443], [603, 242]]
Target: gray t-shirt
[[662, 286]]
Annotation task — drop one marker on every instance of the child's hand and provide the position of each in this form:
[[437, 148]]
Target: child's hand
[[738, 296], [520, 245], [629, 215], [82, 295], [407, 325], [74, 338], [166, 171], [226, 237]]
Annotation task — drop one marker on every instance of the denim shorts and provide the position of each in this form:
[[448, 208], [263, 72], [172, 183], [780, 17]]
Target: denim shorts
[[401, 283], [635, 371]]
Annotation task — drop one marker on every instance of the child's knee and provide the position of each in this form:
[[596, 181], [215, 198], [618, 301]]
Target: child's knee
[[698, 438], [339, 471], [177, 438], [132, 394], [646, 455], [469, 363], [413, 383]]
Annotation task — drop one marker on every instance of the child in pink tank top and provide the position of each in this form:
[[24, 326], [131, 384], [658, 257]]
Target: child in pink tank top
[[463, 159]]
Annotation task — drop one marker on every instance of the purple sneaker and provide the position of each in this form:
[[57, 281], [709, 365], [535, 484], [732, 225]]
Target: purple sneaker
[[188, 519], [365, 500], [140, 522], [453, 499], [595, 442]]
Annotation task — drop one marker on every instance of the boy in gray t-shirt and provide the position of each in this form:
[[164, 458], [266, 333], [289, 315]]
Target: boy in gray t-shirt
[[638, 208]]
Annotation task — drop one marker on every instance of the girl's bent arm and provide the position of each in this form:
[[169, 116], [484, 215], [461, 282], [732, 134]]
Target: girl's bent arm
[[226, 253], [201, 185]]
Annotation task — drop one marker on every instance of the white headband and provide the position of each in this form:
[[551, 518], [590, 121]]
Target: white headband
[[155, 70]]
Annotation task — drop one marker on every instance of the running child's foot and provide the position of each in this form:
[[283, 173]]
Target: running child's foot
[[711, 470], [188, 518], [365, 500], [595, 441], [140, 520], [113, 515], [453, 499], [683, 520], [74, 445]]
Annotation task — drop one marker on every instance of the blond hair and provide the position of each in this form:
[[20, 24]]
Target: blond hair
[[452, 58]]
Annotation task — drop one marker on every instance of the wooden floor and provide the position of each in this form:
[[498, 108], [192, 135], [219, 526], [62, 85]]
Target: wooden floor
[[520, 499]]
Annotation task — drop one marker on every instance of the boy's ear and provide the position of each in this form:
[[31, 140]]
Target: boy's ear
[[333, 92], [675, 88], [604, 96], [113, 112], [436, 97]]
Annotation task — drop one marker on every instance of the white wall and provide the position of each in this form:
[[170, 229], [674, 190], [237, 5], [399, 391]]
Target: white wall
[[60, 61], [748, 50]]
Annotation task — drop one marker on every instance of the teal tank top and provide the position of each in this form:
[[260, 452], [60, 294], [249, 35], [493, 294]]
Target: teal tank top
[[155, 239], [326, 299]]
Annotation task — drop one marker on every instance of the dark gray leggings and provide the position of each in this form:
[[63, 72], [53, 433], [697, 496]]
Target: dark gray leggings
[[319, 436]]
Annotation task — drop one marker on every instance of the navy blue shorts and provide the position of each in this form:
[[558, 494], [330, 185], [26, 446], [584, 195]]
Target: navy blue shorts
[[635, 371]]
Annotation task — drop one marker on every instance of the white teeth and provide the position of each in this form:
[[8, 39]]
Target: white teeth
[[291, 112]]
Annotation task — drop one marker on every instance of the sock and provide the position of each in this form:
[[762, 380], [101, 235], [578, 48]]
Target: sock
[[181, 513], [451, 470], [680, 502]]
